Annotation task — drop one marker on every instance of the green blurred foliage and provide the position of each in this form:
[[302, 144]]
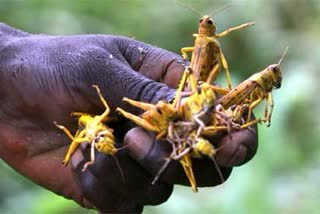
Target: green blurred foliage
[[283, 176]]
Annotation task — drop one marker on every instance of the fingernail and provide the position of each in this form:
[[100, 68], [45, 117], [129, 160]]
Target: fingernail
[[76, 158]]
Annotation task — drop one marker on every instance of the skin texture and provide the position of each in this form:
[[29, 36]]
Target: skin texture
[[44, 78]]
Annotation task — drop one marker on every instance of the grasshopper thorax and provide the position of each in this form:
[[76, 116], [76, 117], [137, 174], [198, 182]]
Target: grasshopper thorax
[[207, 26], [207, 93], [275, 71], [268, 78]]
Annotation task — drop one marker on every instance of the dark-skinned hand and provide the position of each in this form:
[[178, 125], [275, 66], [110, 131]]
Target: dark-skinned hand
[[45, 78]]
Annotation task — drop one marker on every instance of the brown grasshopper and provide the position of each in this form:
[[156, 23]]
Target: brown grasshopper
[[255, 89], [93, 132], [207, 53]]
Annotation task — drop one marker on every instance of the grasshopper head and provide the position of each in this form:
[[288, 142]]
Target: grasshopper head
[[204, 147], [84, 120], [207, 26], [276, 75], [276, 72], [166, 109], [104, 142]]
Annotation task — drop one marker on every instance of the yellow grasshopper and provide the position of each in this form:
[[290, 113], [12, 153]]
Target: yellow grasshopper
[[202, 147], [255, 89], [207, 53], [158, 118], [195, 110], [92, 130]]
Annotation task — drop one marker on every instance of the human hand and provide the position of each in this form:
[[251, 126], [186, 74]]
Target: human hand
[[44, 78]]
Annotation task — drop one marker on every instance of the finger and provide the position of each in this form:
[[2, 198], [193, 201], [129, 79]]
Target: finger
[[122, 175], [152, 155], [155, 63], [238, 147], [117, 80], [103, 198]]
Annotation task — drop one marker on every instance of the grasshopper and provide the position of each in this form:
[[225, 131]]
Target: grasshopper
[[254, 90], [193, 112], [93, 131], [207, 53], [156, 117], [191, 146], [159, 118]]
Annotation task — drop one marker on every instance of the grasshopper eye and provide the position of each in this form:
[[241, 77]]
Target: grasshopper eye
[[199, 90], [96, 140], [81, 126], [277, 84], [275, 69], [209, 22], [201, 20], [159, 110]]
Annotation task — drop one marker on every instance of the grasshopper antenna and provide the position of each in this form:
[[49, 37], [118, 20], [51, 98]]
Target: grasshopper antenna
[[283, 55], [189, 8], [221, 9], [218, 169], [120, 169]]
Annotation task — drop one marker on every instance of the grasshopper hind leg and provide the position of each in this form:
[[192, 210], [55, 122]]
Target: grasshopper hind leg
[[92, 157], [104, 102], [187, 167], [72, 148], [63, 128], [226, 68], [187, 75], [139, 121]]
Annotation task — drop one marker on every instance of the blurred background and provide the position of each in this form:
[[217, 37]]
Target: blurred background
[[284, 175]]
